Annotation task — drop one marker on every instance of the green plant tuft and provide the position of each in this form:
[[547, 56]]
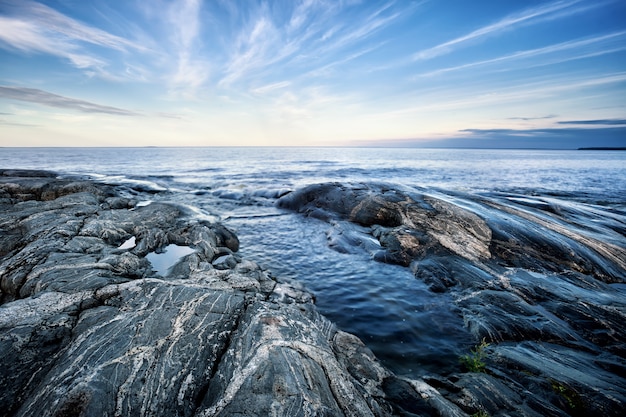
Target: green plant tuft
[[570, 396], [475, 360], [481, 414]]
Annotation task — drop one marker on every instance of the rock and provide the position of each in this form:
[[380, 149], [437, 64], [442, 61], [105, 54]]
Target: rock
[[283, 355], [408, 224], [480, 392], [377, 210], [541, 282], [564, 376], [147, 350], [86, 327], [532, 240], [225, 262]]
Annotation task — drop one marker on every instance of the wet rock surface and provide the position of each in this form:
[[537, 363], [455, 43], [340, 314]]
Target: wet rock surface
[[538, 281], [89, 328]]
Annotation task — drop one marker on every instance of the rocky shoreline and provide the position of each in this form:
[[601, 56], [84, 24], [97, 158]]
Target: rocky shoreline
[[88, 328], [539, 283]]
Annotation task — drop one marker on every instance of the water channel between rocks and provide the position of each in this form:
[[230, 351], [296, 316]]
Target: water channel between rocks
[[411, 329]]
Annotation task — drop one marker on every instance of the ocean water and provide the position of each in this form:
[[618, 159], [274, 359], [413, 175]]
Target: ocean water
[[408, 327], [595, 173]]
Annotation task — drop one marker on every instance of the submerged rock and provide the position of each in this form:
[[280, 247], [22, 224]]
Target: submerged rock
[[540, 282], [88, 328]]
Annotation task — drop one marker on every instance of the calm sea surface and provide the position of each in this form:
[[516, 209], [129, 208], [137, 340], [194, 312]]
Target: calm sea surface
[[410, 328], [594, 172]]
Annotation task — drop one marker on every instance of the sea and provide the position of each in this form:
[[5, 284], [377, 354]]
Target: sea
[[410, 328]]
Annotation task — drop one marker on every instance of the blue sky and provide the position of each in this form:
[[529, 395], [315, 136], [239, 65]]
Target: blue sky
[[314, 72]]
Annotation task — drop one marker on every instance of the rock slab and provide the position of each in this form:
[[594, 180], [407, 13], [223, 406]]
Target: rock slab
[[540, 280], [88, 328]]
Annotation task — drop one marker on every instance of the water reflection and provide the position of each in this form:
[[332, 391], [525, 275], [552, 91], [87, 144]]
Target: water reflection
[[167, 258]]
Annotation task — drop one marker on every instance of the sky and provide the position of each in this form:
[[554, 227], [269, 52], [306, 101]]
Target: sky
[[510, 74]]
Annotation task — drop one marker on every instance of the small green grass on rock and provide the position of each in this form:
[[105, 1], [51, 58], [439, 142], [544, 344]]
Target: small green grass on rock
[[475, 360]]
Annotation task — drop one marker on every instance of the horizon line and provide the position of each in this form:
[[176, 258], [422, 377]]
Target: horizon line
[[618, 148]]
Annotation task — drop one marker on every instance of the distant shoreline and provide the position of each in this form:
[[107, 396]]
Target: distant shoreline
[[603, 148], [163, 148], [600, 148]]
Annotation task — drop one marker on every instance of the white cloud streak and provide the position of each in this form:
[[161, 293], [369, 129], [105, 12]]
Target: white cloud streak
[[595, 42], [53, 22], [530, 91], [309, 37], [31, 37], [191, 72], [528, 16], [271, 87], [373, 23], [36, 28], [258, 45]]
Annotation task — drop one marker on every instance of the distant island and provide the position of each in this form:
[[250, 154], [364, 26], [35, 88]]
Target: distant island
[[603, 148]]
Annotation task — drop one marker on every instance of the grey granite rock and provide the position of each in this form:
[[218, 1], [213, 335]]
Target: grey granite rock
[[542, 284], [406, 226], [88, 328]]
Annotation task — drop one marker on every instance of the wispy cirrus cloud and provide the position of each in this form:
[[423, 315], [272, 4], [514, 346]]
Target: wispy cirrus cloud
[[290, 61], [265, 40], [454, 99], [309, 39], [256, 46], [29, 37], [582, 48], [301, 14], [529, 16], [271, 87], [48, 99], [370, 24], [328, 68], [32, 27], [59, 25], [185, 27]]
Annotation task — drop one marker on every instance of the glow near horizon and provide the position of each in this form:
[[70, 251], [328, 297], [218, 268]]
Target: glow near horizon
[[311, 72]]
